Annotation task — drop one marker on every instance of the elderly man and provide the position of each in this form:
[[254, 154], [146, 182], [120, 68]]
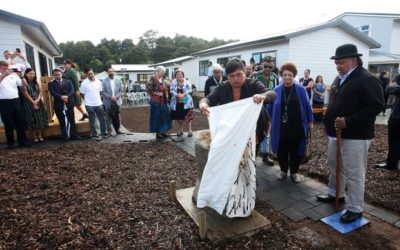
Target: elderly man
[[356, 99], [236, 88], [216, 79], [10, 106]]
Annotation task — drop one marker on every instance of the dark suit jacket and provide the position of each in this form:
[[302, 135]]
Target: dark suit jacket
[[57, 92], [359, 100]]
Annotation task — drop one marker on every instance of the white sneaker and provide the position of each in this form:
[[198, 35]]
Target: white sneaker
[[281, 175], [296, 178]]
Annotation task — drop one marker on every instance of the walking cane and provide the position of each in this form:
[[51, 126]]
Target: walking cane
[[338, 156]]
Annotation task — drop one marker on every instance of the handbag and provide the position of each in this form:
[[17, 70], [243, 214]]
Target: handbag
[[308, 154]]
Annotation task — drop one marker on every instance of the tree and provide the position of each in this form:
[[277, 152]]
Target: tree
[[135, 56], [108, 64], [96, 65], [103, 53]]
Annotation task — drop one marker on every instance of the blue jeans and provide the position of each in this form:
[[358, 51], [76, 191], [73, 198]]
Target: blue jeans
[[264, 146], [98, 111]]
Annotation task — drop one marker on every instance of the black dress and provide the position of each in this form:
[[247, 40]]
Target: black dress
[[180, 112]]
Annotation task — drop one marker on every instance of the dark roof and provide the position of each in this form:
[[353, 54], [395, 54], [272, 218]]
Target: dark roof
[[284, 36], [173, 61], [33, 23]]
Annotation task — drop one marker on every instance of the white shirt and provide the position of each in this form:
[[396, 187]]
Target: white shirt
[[91, 90], [9, 86], [112, 85]]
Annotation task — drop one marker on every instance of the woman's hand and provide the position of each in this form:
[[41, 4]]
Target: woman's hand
[[204, 108], [257, 98], [310, 125]]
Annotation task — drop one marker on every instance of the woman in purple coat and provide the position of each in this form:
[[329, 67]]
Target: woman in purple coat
[[291, 118]]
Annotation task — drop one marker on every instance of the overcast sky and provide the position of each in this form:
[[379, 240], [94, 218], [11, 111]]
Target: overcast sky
[[74, 20]]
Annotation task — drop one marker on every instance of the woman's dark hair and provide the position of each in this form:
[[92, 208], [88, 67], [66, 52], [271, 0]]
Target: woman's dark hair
[[316, 79], [34, 81], [308, 70], [289, 67], [233, 65], [177, 71]]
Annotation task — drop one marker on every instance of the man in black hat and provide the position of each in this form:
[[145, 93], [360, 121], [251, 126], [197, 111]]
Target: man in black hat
[[356, 98]]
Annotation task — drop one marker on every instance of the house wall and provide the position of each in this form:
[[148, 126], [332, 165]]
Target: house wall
[[10, 37], [395, 39], [313, 50], [245, 54], [380, 30]]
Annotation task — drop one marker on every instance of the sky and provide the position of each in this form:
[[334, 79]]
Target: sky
[[75, 20]]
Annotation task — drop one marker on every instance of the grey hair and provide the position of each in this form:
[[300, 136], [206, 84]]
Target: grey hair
[[216, 67], [159, 69]]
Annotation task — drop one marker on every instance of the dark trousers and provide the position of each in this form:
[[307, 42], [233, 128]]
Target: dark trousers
[[113, 115], [287, 155], [71, 118], [394, 142], [386, 101], [13, 118]]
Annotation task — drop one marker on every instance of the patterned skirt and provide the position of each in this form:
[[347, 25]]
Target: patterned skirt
[[35, 118]]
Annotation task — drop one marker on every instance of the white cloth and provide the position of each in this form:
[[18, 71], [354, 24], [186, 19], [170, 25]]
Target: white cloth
[[91, 90], [9, 86], [229, 178], [112, 85], [353, 168]]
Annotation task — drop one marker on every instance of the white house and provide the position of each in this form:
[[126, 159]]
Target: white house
[[310, 47], [384, 28], [134, 72], [32, 38], [188, 63]]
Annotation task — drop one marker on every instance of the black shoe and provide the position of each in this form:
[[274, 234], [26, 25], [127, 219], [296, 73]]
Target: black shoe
[[165, 135], [160, 136], [267, 160], [349, 216], [328, 198], [386, 166], [76, 138], [119, 133], [84, 116], [179, 134]]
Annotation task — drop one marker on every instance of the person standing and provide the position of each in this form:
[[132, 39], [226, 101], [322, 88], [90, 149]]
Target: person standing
[[249, 70], [112, 92], [291, 119], [181, 102], [210, 69], [90, 90], [35, 111], [10, 106], [356, 98], [393, 156], [70, 74], [160, 121], [307, 82], [63, 92], [213, 81], [384, 77], [319, 92]]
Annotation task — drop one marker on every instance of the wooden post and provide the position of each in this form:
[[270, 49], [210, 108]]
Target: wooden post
[[172, 190], [202, 225]]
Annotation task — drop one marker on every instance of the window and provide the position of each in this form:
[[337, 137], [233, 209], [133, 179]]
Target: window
[[203, 68], [50, 65], [142, 77], [366, 29], [43, 65], [30, 57], [225, 60], [260, 55]]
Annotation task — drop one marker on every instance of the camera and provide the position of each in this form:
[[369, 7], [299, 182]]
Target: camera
[[18, 50]]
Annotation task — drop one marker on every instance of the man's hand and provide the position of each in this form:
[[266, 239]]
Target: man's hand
[[113, 99], [340, 123], [204, 108], [257, 98], [64, 98]]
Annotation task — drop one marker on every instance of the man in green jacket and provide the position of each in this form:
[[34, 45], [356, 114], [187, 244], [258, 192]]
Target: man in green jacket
[[71, 74]]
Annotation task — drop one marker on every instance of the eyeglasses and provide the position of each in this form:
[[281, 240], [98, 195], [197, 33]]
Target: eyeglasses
[[268, 67]]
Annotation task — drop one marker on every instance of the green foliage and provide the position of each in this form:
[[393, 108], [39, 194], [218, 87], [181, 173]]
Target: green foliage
[[151, 48]]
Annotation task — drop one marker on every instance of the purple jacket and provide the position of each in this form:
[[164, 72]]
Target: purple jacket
[[275, 112]]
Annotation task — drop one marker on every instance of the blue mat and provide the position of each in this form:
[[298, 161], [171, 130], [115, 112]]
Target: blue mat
[[344, 228]]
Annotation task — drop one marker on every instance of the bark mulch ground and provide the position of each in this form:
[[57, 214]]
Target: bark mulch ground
[[382, 186]]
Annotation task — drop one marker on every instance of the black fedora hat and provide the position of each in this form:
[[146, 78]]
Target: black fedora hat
[[346, 51]]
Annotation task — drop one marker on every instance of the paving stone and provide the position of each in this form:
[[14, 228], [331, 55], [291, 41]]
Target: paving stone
[[313, 214], [369, 208], [276, 194], [294, 214], [397, 224], [325, 209], [298, 195], [384, 215], [301, 205], [313, 201], [311, 192], [279, 204], [290, 187]]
